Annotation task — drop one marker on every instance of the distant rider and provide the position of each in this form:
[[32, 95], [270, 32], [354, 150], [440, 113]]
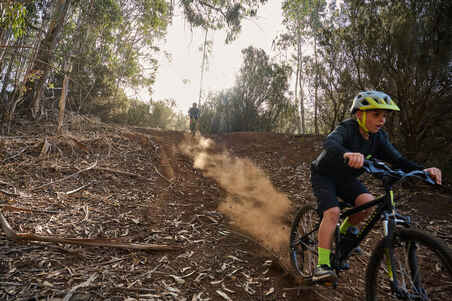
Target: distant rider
[[193, 112]]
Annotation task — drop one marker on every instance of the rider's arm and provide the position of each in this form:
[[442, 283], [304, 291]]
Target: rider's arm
[[336, 146], [334, 143]]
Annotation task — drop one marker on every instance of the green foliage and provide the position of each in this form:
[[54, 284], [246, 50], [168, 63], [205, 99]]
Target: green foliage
[[162, 114], [114, 42], [400, 47], [179, 122], [306, 14], [138, 113], [220, 14], [12, 15], [123, 110], [257, 102], [111, 45]]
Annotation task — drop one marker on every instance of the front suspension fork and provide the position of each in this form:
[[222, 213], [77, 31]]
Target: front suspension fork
[[389, 224]]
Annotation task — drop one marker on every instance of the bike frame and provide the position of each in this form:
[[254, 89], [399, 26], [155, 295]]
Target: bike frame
[[385, 209]]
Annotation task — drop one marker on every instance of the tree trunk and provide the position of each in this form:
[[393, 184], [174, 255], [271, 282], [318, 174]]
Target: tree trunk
[[64, 92], [316, 87], [296, 94], [204, 58], [300, 84], [41, 65]]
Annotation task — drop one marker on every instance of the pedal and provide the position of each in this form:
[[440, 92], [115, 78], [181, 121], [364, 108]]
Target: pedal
[[343, 266], [329, 284]]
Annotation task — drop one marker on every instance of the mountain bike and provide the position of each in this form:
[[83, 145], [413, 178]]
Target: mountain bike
[[406, 264]]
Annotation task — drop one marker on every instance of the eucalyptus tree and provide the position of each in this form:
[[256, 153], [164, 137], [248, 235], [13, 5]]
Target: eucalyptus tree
[[20, 37], [214, 15], [12, 18], [110, 44], [293, 20], [220, 14], [258, 101], [206, 51], [114, 46], [403, 47], [400, 47], [261, 90], [303, 21], [43, 60], [162, 114]]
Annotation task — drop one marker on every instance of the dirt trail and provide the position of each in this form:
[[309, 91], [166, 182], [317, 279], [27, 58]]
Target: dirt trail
[[224, 202]]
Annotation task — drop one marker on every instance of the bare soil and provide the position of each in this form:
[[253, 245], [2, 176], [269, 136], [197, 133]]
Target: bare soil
[[171, 216]]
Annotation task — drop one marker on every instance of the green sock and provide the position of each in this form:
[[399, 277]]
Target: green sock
[[324, 256], [344, 226]]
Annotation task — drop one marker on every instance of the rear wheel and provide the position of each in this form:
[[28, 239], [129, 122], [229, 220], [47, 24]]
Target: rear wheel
[[303, 240], [422, 266]]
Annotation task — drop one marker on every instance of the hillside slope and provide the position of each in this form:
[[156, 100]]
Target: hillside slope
[[213, 212]]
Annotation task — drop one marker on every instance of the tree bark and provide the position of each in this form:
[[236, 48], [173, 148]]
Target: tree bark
[[41, 65], [204, 58], [300, 84], [62, 102], [316, 87]]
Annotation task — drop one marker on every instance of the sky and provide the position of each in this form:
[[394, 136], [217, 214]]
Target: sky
[[183, 43]]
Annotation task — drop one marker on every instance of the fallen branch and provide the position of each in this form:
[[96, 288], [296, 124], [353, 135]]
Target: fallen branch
[[122, 173], [9, 193], [77, 189], [83, 284], [13, 156], [65, 178], [11, 234], [162, 176], [16, 193], [6, 183], [13, 208]]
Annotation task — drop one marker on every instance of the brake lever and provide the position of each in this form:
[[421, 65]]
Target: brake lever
[[428, 178], [375, 167]]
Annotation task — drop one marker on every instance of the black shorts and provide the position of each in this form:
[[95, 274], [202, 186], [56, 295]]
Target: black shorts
[[327, 189]]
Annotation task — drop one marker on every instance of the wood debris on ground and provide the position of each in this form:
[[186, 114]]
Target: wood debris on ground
[[84, 214]]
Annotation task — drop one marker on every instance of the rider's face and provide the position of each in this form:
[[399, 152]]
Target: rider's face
[[375, 120]]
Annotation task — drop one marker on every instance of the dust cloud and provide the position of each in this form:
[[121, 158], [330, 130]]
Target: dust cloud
[[253, 204]]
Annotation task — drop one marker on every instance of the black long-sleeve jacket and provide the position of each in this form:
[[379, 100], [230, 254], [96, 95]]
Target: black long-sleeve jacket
[[347, 138]]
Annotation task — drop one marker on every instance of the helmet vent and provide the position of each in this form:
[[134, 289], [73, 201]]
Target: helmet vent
[[365, 102]]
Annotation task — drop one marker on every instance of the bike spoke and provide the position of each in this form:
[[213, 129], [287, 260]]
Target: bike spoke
[[420, 271], [303, 241]]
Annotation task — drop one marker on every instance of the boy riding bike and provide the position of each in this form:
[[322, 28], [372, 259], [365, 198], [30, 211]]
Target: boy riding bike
[[193, 112], [353, 140]]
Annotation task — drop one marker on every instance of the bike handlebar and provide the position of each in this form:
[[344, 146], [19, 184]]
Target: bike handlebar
[[379, 168]]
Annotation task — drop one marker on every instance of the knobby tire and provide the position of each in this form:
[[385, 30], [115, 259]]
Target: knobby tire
[[423, 268], [303, 254]]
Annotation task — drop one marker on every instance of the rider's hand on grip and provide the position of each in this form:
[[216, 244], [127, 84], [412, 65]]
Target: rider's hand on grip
[[355, 160]]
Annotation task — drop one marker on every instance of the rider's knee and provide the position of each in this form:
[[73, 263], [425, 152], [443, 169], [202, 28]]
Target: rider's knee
[[332, 214], [363, 199]]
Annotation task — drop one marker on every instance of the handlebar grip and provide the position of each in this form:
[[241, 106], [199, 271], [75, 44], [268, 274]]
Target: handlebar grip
[[429, 179], [366, 162]]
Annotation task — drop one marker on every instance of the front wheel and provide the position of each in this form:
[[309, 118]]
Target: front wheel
[[422, 268], [303, 240]]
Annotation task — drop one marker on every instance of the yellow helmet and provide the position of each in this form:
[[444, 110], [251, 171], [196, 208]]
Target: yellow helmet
[[373, 100]]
